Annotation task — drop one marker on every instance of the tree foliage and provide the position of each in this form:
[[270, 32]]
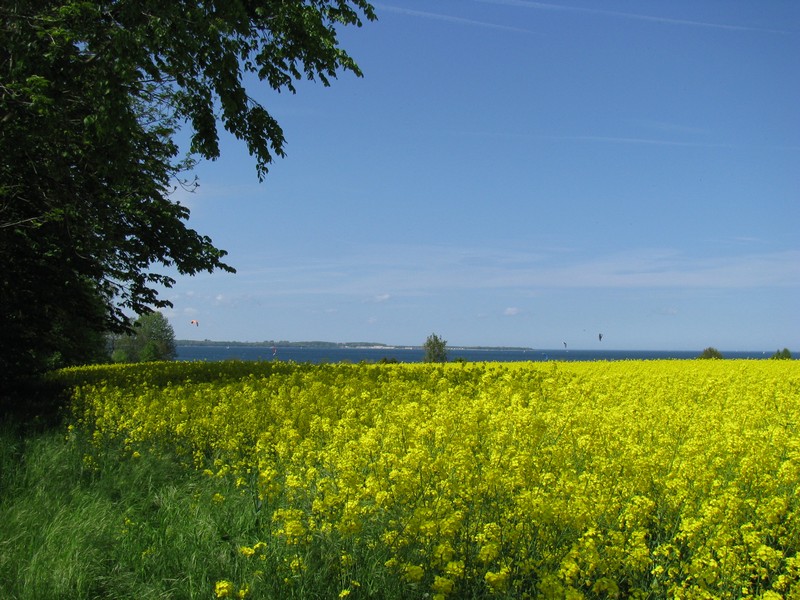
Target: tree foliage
[[784, 354], [92, 95], [435, 349], [710, 352], [152, 339]]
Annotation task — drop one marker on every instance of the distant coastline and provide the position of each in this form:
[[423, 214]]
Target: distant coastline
[[326, 345], [354, 352]]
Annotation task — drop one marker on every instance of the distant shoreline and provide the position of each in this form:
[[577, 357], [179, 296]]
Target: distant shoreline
[[329, 352], [395, 348], [323, 345]]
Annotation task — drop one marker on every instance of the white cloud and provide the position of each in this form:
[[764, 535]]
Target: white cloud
[[511, 311]]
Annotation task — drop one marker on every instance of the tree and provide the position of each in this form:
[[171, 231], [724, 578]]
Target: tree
[[435, 349], [710, 352], [784, 354], [92, 95], [152, 339]]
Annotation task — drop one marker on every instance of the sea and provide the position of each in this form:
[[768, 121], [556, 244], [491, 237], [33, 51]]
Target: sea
[[416, 354]]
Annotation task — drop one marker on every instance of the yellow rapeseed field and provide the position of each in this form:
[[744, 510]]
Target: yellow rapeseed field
[[655, 479]]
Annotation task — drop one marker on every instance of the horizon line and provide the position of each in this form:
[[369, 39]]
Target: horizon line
[[502, 347]]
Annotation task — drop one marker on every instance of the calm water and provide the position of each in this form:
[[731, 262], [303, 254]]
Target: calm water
[[409, 355]]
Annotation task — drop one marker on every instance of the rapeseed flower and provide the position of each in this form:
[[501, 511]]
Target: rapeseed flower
[[414, 573], [572, 475], [442, 585], [224, 588], [497, 581]]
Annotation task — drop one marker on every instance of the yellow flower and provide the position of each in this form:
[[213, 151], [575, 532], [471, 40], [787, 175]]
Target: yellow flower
[[297, 565], [443, 551], [488, 553], [414, 573], [486, 461], [223, 588], [442, 585], [455, 568], [497, 581]]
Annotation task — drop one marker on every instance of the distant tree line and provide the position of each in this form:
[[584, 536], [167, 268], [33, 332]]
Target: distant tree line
[[152, 339], [283, 344], [712, 352]]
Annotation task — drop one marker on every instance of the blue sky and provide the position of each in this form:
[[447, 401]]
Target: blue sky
[[523, 173]]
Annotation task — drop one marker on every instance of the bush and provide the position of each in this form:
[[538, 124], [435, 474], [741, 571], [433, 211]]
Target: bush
[[710, 352], [435, 349]]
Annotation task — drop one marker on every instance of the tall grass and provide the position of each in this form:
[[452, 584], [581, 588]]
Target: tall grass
[[142, 527]]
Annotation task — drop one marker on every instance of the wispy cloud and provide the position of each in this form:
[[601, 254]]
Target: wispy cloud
[[645, 269], [632, 16], [667, 127], [619, 139], [603, 139], [449, 18], [642, 141], [415, 271]]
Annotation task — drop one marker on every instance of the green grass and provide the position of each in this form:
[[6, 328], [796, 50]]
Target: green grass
[[120, 527], [134, 528]]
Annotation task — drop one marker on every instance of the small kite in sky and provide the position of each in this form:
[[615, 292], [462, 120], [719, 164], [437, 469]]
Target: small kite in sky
[[194, 322], [600, 336]]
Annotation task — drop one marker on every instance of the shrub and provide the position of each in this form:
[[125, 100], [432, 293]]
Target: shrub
[[710, 352], [435, 349]]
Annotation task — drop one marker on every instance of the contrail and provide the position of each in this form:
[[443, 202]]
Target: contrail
[[449, 18], [633, 16]]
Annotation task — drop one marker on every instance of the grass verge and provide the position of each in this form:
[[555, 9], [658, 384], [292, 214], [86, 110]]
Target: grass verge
[[142, 527]]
